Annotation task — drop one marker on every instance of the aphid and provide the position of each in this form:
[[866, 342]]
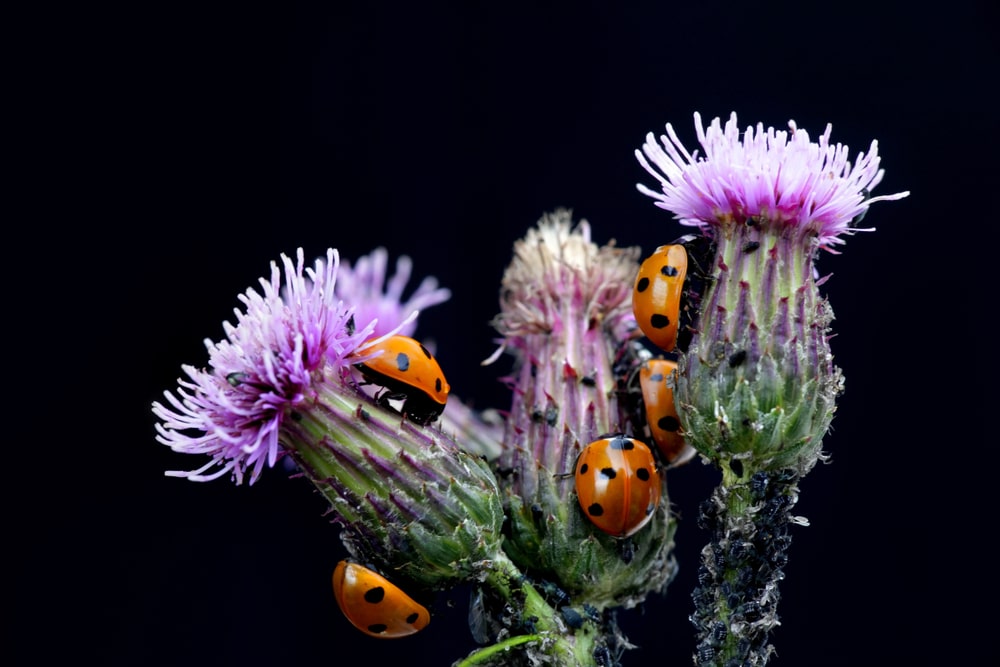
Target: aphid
[[375, 605], [409, 372], [617, 484]]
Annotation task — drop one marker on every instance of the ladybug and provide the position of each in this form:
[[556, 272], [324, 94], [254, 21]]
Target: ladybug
[[617, 484], [410, 373], [661, 412], [375, 605], [656, 295]]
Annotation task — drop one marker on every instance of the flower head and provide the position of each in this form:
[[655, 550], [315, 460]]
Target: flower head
[[780, 177], [758, 384], [565, 313], [364, 286], [233, 411], [283, 383]]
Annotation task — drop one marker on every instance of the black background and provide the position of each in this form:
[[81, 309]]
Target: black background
[[173, 152]]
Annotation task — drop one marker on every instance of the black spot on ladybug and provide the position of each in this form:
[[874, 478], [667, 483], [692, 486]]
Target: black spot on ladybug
[[621, 443], [412, 618], [584, 469], [669, 271], [374, 595], [609, 473], [659, 321], [642, 474], [668, 424], [737, 358], [642, 285], [595, 509], [377, 628], [750, 246], [437, 384], [424, 350], [403, 361]]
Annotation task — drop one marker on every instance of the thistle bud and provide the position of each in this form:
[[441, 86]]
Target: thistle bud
[[283, 384], [407, 495], [565, 311]]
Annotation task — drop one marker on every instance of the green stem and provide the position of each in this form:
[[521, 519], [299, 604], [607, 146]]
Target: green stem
[[549, 637], [736, 603], [483, 656]]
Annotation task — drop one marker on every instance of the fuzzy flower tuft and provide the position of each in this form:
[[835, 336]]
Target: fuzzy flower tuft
[[364, 285], [780, 177], [552, 256], [233, 411]]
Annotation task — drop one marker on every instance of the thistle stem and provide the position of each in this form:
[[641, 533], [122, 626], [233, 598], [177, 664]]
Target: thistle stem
[[484, 655], [737, 599], [550, 640]]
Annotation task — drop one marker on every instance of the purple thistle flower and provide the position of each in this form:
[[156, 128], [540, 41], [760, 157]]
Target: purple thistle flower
[[778, 176], [364, 285], [267, 365], [283, 383], [757, 387]]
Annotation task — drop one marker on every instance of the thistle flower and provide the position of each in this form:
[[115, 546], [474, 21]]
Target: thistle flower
[[234, 411], [565, 313], [408, 498], [281, 384], [375, 300], [759, 383], [757, 387]]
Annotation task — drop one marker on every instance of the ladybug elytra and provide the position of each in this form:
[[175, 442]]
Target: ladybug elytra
[[409, 372], [375, 605], [617, 484]]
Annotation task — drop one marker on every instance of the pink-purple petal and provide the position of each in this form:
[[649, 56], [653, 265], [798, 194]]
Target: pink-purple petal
[[780, 176], [286, 333]]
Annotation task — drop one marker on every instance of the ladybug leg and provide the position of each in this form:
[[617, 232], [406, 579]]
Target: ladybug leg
[[385, 397]]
